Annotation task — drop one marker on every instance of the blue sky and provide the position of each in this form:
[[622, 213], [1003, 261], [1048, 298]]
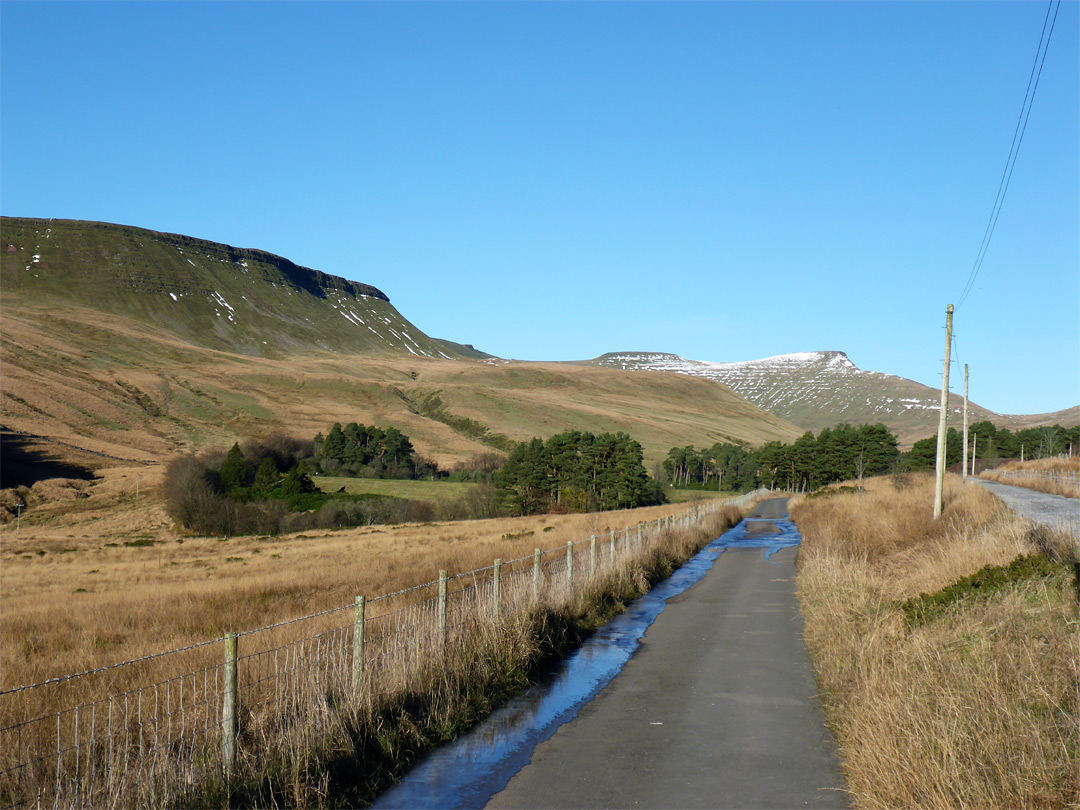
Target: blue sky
[[551, 181]]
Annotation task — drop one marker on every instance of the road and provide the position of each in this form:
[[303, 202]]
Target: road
[[1055, 511], [717, 708]]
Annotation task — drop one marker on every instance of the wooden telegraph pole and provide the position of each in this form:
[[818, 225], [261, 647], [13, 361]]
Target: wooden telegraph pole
[[964, 465], [939, 488]]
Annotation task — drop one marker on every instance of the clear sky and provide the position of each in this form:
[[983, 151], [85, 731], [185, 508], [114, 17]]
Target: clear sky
[[552, 181]]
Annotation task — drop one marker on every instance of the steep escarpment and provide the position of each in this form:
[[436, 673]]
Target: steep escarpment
[[214, 295]]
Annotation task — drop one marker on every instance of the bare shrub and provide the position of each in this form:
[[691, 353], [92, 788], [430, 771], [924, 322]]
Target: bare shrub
[[286, 451], [479, 503], [191, 499], [188, 489]]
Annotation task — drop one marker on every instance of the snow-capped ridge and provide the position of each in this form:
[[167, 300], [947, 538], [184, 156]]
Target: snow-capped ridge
[[812, 389]]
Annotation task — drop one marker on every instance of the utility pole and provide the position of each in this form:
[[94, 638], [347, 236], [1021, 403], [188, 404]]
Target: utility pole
[[939, 488], [963, 466]]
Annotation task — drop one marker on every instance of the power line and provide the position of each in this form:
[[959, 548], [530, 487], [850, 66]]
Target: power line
[[1014, 149]]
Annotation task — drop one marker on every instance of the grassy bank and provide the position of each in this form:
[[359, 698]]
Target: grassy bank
[[443, 688], [943, 696]]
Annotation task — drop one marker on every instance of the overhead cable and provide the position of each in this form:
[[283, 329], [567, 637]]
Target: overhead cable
[[1014, 149]]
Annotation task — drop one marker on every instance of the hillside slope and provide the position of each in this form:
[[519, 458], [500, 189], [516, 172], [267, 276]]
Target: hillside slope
[[117, 387], [209, 294], [131, 345], [820, 389]]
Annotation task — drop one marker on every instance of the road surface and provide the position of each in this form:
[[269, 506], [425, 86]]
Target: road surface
[[1055, 511], [717, 708]]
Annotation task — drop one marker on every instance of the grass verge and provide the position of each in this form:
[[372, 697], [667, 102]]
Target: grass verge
[[355, 749], [949, 672], [1054, 476]]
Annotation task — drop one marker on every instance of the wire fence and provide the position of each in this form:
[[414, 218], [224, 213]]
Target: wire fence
[[1060, 476], [87, 739]]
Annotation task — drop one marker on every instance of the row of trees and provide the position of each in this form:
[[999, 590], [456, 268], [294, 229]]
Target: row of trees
[[576, 472], [835, 454], [722, 466], [992, 445], [253, 486], [845, 452], [240, 479]]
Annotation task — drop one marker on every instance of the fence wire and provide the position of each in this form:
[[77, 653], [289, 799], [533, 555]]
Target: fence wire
[[1061, 476], [77, 740]]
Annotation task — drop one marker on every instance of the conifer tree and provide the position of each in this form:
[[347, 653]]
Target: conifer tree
[[234, 470]]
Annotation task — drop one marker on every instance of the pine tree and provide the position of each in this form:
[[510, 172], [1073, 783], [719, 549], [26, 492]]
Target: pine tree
[[233, 470], [266, 477]]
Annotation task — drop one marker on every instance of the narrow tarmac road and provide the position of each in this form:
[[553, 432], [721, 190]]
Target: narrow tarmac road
[[717, 709], [1054, 511]]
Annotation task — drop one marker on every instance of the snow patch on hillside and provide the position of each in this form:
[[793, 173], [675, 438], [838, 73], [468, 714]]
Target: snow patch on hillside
[[790, 384], [216, 296]]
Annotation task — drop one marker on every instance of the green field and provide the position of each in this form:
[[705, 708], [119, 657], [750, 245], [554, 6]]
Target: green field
[[410, 490], [687, 495]]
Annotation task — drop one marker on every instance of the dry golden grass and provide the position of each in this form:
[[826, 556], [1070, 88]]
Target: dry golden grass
[[977, 709], [1036, 470], [90, 601], [300, 709], [114, 386]]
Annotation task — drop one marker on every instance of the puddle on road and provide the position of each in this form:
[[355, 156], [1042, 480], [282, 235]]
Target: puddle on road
[[469, 771]]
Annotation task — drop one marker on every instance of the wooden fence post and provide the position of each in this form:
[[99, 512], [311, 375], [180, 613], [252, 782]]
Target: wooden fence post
[[592, 556], [536, 573], [442, 605], [611, 549], [569, 567], [228, 706], [358, 647], [497, 584]]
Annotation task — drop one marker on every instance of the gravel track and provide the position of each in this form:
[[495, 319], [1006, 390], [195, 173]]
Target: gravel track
[[1055, 511]]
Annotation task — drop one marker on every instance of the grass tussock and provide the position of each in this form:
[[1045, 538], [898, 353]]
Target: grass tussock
[[1054, 476], [950, 671]]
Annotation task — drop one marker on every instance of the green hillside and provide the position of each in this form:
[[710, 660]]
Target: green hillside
[[213, 295]]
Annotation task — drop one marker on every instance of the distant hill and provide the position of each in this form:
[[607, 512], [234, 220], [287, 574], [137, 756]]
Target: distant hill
[[214, 295], [124, 345], [820, 389]]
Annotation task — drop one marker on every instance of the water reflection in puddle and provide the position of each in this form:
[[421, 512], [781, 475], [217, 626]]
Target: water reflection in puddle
[[476, 766]]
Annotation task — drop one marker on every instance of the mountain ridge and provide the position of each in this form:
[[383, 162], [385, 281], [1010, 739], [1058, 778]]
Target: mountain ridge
[[243, 300], [820, 389]]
